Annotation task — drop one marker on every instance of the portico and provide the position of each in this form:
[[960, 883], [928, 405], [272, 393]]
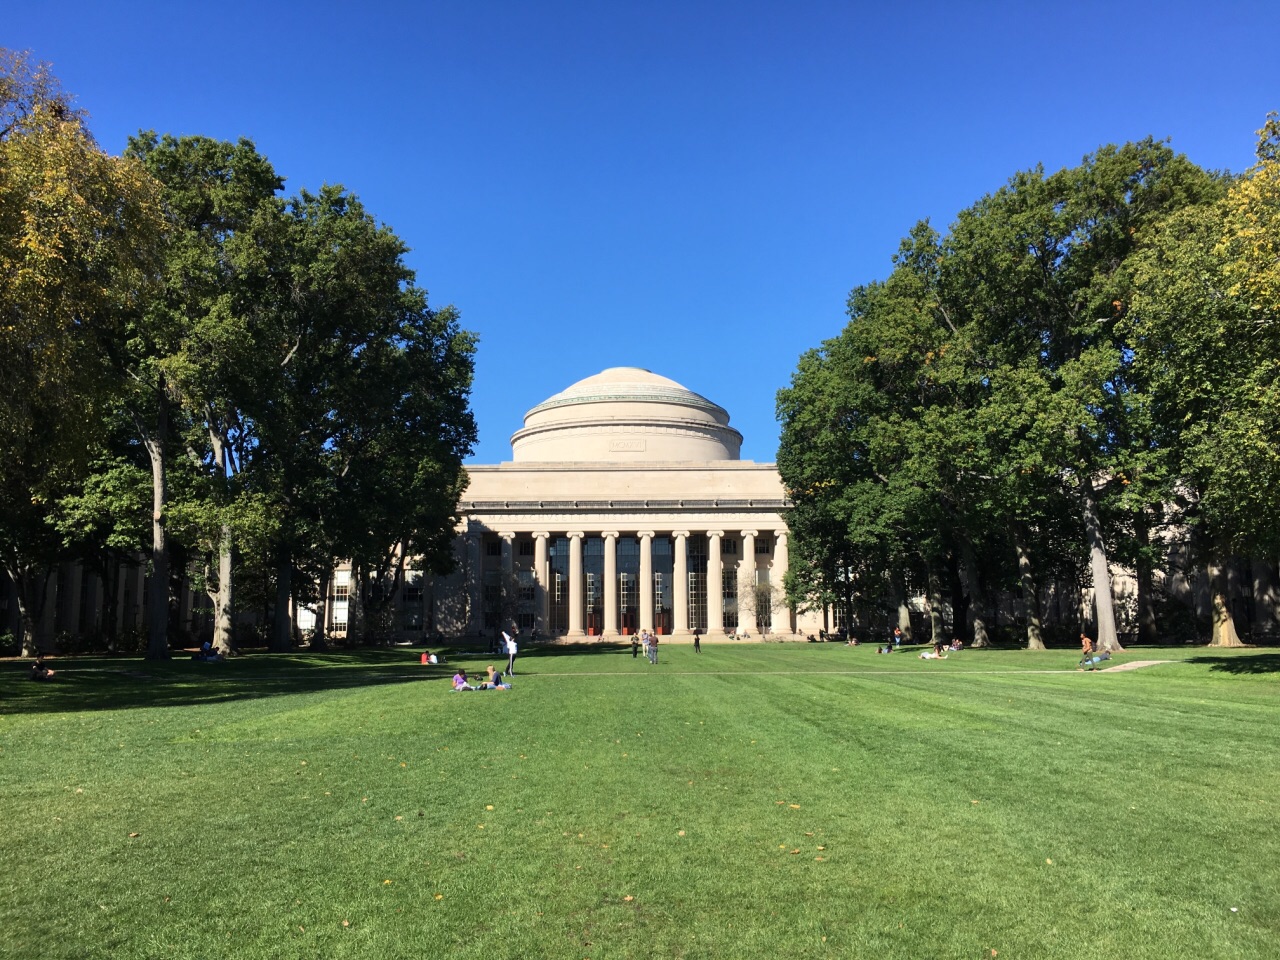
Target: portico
[[625, 508]]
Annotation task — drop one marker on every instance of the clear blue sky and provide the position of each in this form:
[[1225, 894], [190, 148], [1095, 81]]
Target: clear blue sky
[[691, 187]]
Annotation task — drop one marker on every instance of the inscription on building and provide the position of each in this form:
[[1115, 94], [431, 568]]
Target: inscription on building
[[636, 445]]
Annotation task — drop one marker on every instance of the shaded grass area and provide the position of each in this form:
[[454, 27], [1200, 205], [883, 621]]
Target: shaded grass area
[[758, 800]]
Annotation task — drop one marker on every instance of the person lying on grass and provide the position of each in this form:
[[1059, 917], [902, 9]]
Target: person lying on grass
[[495, 681], [934, 654]]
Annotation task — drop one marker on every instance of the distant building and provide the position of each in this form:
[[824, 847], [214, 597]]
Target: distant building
[[624, 507]]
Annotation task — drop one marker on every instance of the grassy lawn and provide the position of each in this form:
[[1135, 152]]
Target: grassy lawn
[[759, 800]]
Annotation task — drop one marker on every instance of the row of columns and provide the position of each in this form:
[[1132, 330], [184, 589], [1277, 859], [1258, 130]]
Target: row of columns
[[680, 574]]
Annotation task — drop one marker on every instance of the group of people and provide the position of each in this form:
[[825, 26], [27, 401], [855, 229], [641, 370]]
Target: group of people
[[649, 640], [493, 681]]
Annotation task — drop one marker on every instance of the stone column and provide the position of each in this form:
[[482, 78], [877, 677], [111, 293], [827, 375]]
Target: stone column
[[610, 583], [47, 627], [140, 598], [646, 579], [777, 575], [747, 582], [508, 604], [542, 574], [475, 586], [73, 574], [680, 588], [575, 585], [715, 584]]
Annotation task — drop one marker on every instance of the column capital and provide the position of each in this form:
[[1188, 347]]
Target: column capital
[[575, 535], [610, 533], [680, 533], [750, 533], [645, 533], [541, 535], [715, 533], [507, 536], [780, 535]]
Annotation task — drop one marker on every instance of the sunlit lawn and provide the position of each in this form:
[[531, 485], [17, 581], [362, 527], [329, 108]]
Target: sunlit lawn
[[759, 800]]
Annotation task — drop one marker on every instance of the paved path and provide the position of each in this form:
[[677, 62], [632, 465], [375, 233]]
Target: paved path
[[1134, 665]]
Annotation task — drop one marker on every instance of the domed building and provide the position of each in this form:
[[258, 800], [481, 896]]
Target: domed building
[[625, 506]]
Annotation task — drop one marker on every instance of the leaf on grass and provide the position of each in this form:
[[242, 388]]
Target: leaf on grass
[[132, 835], [822, 848], [346, 923], [385, 882], [1048, 861], [680, 833], [628, 898], [488, 806], [820, 859], [795, 806], [439, 896], [399, 818], [795, 851]]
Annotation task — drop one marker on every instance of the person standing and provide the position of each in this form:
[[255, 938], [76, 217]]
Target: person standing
[[653, 647], [635, 646], [897, 636], [697, 641], [512, 650]]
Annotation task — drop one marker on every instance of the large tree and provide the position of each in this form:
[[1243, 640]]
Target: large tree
[[191, 356], [79, 248], [361, 412]]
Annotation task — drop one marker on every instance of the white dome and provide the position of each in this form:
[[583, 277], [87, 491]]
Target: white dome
[[626, 414]]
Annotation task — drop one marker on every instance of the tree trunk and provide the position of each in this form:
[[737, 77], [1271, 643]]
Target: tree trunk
[[959, 599], [899, 588], [158, 575], [1224, 624], [32, 592], [1030, 596], [223, 636], [282, 628], [221, 596], [1102, 600], [1148, 632], [977, 619], [318, 640], [936, 626]]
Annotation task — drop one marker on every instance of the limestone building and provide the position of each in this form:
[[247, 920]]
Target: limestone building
[[625, 506]]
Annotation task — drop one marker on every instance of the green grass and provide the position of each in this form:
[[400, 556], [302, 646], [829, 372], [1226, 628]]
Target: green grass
[[761, 800]]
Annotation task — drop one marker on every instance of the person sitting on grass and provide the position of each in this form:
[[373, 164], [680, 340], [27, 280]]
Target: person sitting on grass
[[956, 644], [40, 672], [460, 681]]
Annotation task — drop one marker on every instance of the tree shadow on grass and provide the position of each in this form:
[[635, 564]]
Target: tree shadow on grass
[[85, 684], [1242, 665]]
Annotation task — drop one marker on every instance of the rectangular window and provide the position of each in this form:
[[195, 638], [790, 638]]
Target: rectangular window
[[526, 548], [764, 546], [526, 621], [729, 545], [341, 592], [494, 548], [528, 586]]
